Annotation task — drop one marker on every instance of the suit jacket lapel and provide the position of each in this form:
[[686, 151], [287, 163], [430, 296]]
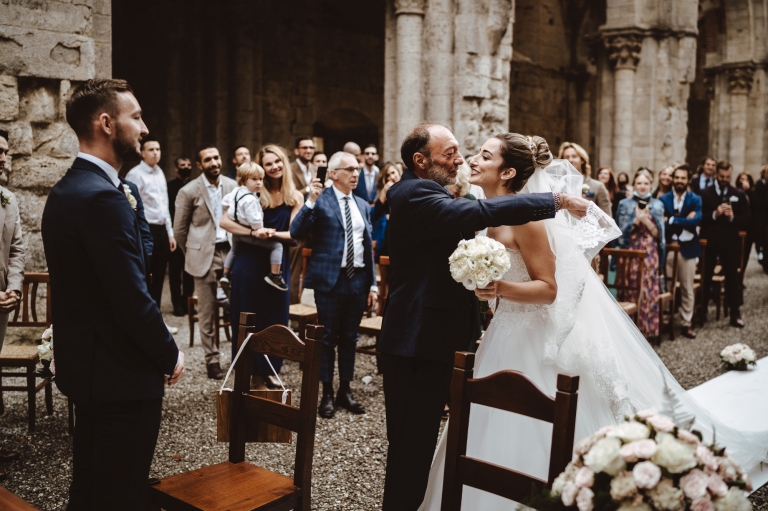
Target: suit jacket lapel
[[335, 205]]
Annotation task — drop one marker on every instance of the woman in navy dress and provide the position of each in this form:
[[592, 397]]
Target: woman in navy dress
[[250, 292]]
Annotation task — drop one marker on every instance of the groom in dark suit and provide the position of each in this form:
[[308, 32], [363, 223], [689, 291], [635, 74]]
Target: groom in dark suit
[[113, 352], [340, 271], [429, 315]]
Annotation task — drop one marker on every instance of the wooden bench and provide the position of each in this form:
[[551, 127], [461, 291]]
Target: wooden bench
[[27, 357], [236, 484], [10, 502], [514, 392]]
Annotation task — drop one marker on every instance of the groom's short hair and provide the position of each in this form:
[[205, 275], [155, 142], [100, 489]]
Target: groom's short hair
[[90, 99], [417, 141]]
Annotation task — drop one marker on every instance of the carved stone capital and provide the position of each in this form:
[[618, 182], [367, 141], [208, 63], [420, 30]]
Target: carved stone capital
[[740, 79], [624, 50], [409, 7]]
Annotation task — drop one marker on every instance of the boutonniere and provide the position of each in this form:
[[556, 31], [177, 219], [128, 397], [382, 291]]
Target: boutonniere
[[584, 189], [734, 198], [5, 198], [129, 196]]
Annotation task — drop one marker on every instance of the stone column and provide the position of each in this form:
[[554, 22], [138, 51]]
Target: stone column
[[623, 55], [439, 61], [391, 150], [739, 85], [410, 20]]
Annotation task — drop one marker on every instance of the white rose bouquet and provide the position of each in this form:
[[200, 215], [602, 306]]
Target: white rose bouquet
[[479, 261], [645, 464], [738, 356], [45, 350]]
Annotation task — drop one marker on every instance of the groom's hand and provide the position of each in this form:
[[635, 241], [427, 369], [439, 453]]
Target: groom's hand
[[577, 206]]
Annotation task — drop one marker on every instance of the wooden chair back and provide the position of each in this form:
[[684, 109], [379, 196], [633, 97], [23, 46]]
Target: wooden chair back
[[514, 392], [280, 341], [669, 297], [625, 260], [306, 253], [25, 314]]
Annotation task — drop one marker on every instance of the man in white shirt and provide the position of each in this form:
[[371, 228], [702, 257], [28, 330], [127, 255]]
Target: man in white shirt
[[149, 178], [341, 272], [366, 185]]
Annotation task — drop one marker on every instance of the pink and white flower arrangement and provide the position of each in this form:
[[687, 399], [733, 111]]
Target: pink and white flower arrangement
[[646, 464], [479, 261], [738, 356], [45, 350]]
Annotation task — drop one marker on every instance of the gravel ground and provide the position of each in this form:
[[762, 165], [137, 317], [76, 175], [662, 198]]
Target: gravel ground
[[350, 450]]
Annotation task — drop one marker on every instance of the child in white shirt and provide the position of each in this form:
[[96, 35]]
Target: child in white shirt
[[243, 206]]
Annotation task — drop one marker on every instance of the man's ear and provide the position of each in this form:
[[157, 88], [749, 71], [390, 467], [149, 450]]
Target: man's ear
[[199, 164], [420, 161], [105, 124]]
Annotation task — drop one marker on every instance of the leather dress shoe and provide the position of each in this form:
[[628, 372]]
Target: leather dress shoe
[[9, 455], [214, 371], [345, 400], [689, 333], [179, 311], [326, 409]]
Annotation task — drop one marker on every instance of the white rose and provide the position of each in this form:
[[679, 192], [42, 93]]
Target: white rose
[[45, 350], [469, 282], [558, 484], [623, 487], [646, 475], [672, 454], [631, 431], [459, 271], [48, 333], [666, 497], [748, 355], [585, 478], [661, 423], [734, 500], [482, 276], [496, 273], [605, 456]]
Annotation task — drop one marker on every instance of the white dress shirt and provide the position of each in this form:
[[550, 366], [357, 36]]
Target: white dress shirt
[[358, 230], [108, 169], [677, 203], [703, 180], [154, 194], [215, 193], [249, 211]]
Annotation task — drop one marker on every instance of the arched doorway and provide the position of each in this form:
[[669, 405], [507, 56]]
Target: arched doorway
[[343, 125]]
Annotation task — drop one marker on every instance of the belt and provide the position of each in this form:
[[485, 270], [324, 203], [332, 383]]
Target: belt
[[222, 245]]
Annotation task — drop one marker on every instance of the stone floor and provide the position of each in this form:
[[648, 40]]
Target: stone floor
[[350, 451]]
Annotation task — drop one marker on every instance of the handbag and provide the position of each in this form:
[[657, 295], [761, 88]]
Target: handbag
[[255, 431]]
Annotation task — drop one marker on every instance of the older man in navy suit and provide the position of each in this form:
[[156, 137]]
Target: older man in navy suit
[[113, 351], [340, 271]]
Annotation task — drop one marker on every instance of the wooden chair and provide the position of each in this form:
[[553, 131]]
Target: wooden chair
[[514, 392], [27, 357], [668, 299], [10, 502], [372, 325], [302, 314], [236, 484], [624, 262], [222, 320]]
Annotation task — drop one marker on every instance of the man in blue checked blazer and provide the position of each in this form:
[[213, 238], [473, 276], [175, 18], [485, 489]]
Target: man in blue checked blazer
[[340, 271], [682, 212]]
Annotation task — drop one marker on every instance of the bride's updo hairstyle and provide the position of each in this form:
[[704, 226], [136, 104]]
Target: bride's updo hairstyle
[[523, 154]]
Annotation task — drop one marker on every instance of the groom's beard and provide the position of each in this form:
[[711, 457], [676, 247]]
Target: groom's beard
[[124, 147], [441, 175]]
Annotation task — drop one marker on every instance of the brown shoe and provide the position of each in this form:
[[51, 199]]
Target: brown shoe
[[214, 371], [9, 455], [689, 333]]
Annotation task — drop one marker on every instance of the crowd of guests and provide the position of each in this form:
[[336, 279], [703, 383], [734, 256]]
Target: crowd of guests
[[683, 209]]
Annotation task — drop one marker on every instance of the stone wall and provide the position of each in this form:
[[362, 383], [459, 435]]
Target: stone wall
[[46, 47]]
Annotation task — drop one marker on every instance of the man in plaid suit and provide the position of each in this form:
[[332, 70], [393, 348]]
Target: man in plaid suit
[[340, 271]]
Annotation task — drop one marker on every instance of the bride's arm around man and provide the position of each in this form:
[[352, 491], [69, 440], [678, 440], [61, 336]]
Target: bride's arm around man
[[429, 315]]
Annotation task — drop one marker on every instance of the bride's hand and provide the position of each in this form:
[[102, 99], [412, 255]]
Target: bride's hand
[[487, 293], [576, 206]]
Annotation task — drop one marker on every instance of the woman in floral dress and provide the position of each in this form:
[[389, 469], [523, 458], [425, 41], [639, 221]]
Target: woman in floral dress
[[643, 229]]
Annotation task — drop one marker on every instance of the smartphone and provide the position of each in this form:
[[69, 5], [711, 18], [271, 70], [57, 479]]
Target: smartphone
[[321, 173], [642, 203]]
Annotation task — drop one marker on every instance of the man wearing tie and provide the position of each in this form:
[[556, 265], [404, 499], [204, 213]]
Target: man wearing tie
[[682, 211], [706, 176], [725, 213], [340, 271], [366, 185]]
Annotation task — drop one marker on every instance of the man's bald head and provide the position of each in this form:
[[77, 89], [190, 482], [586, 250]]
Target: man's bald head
[[354, 149], [432, 152]]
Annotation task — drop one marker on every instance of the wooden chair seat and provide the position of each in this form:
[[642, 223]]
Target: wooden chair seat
[[302, 310], [227, 487], [10, 502], [371, 326], [18, 356], [665, 297], [629, 307]]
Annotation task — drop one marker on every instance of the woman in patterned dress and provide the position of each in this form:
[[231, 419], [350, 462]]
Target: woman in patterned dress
[[643, 229]]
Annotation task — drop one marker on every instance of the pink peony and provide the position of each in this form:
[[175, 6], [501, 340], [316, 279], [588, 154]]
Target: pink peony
[[687, 436], [703, 504], [603, 432], [661, 423], [717, 486], [52, 367], [694, 484], [646, 475], [584, 499], [585, 478], [639, 449], [706, 457]]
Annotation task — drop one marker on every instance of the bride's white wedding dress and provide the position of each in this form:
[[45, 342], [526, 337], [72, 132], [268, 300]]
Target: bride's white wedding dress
[[583, 332]]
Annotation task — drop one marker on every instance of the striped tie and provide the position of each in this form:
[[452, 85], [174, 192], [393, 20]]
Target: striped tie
[[350, 244]]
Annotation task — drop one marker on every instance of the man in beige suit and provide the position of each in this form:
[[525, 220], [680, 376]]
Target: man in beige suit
[[204, 242], [11, 247]]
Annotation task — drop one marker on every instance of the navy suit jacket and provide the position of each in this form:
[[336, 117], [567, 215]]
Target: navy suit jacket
[[325, 225], [692, 203], [146, 235], [111, 341], [429, 315], [362, 190]]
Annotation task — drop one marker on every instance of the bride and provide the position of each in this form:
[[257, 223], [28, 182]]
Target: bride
[[555, 315]]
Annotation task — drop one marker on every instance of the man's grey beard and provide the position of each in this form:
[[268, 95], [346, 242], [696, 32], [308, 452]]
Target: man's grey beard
[[440, 175], [124, 149]]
